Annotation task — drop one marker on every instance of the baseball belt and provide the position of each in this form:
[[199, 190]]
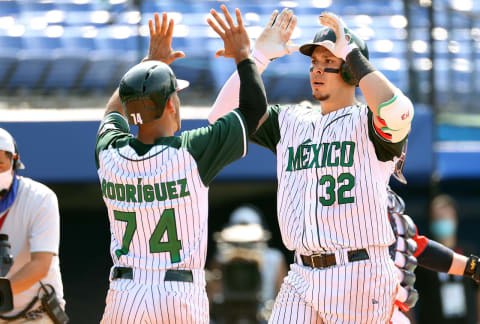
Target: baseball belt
[[170, 275], [321, 261]]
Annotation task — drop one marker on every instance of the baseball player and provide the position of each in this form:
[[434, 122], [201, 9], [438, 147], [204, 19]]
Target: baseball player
[[30, 217], [155, 185], [411, 248], [333, 166]]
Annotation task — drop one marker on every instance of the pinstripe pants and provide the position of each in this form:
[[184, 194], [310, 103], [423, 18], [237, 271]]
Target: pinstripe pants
[[130, 302], [360, 292]]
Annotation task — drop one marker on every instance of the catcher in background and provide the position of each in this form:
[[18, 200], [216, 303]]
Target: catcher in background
[[411, 248]]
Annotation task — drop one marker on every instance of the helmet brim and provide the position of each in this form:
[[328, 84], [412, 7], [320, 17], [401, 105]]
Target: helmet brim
[[307, 49], [182, 84]]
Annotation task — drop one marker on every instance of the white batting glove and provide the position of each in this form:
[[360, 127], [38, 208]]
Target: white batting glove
[[344, 44], [274, 41]]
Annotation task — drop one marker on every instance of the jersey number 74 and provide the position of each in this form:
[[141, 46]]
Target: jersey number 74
[[166, 223]]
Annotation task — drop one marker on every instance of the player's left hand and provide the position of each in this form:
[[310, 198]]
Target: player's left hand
[[344, 43], [274, 41], [235, 37], [160, 47]]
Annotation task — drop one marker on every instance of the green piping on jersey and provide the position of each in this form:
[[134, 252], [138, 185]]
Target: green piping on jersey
[[139, 160]]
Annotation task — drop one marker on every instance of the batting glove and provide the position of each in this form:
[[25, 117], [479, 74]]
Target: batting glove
[[472, 269], [344, 43], [274, 41]]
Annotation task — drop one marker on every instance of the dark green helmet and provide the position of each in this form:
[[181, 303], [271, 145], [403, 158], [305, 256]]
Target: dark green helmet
[[326, 37], [145, 89]]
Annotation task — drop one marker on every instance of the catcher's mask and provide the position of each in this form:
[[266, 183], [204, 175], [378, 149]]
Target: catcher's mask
[[326, 37], [144, 91]]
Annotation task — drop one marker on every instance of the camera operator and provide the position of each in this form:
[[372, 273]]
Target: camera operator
[[30, 217], [246, 274]]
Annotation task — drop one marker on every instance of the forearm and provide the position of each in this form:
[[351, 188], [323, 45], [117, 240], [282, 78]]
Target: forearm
[[114, 104], [459, 263], [252, 101], [27, 276], [228, 97]]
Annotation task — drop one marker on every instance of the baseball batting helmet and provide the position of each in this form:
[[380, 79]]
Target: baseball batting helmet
[[145, 89], [326, 37]]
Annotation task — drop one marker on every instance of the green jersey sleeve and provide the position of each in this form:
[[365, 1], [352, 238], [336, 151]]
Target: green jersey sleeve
[[114, 127], [268, 135], [215, 146], [384, 150]]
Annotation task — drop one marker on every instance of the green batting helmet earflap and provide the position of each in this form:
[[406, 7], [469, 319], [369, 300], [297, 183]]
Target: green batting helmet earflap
[[144, 91], [326, 37]]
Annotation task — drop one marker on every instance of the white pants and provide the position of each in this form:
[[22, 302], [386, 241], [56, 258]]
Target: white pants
[[361, 292], [130, 302]]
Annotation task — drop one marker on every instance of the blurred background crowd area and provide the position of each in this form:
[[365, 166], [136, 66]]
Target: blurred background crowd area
[[428, 48], [57, 57]]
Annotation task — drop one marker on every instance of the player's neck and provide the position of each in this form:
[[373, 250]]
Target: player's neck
[[332, 105], [148, 133]]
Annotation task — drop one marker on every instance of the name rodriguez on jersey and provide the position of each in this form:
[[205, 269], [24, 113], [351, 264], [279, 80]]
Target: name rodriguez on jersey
[[310, 155], [145, 193]]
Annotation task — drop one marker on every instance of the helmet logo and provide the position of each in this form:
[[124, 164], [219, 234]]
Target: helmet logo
[[137, 118], [324, 32]]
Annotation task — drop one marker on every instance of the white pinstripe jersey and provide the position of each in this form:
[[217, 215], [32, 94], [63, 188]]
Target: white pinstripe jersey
[[332, 174], [157, 195]]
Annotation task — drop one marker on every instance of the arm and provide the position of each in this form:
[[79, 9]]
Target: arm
[[272, 43], [392, 110], [252, 101], [32, 272], [437, 257]]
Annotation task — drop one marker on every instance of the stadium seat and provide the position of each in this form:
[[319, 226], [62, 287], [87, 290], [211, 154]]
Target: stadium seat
[[65, 70], [9, 8], [30, 69], [9, 49]]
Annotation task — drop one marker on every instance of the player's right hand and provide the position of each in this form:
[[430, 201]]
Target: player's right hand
[[274, 41], [160, 47], [235, 38]]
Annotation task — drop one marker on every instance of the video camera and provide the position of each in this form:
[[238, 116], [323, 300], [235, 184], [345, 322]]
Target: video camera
[[6, 262], [240, 250]]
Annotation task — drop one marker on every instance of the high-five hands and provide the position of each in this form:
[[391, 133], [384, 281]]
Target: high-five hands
[[160, 47], [344, 44], [235, 38], [274, 41]]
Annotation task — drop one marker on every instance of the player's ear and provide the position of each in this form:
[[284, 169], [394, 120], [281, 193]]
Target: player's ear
[[170, 105]]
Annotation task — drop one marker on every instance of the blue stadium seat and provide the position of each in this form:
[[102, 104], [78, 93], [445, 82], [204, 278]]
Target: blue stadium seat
[[102, 72], [31, 68], [287, 79], [9, 8], [9, 49], [65, 70]]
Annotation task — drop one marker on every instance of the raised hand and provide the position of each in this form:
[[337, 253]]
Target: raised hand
[[160, 47], [344, 43], [235, 38], [274, 41]]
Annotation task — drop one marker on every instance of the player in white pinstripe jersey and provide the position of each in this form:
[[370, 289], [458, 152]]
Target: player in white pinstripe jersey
[[333, 167], [155, 185]]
